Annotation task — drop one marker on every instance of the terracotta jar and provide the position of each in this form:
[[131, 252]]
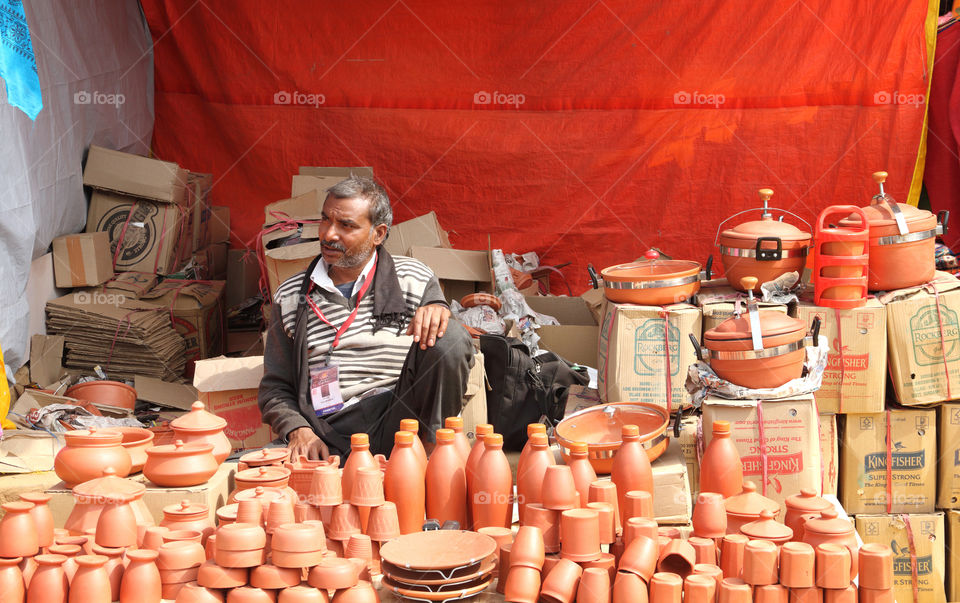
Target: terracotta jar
[[746, 507], [413, 426], [830, 528], [201, 426], [631, 467], [88, 453], [141, 578], [135, 441], [482, 430], [446, 485], [91, 497], [187, 515], [180, 464], [90, 584], [720, 468], [42, 517], [49, 583], [767, 528], [359, 457], [583, 472], [531, 469], [404, 483], [462, 443], [266, 476], [11, 579], [800, 504], [18, 532]]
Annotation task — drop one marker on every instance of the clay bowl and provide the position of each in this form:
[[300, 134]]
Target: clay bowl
[[298, 538], [523, 584], [108, 393], [194, 593], [248, 594], [212, 575], [180, 465], [333, 573], [600, 427], [135, 441], [273, 577], [302, 594], [651, 282], [362, 592], [180, 555]]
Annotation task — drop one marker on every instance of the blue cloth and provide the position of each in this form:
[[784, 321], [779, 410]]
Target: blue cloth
[[346, 289], [18, 66]]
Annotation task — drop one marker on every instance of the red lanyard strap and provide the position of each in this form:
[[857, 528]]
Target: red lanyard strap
[[353, 315]]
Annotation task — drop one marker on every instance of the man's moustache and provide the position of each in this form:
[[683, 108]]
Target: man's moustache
[[332, 245]]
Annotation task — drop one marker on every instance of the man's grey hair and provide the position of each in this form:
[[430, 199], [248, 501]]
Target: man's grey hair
[[359, 187]]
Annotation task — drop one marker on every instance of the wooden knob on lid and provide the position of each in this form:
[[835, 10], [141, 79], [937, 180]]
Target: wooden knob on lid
[[880, 177], [749, 283], [651, 254], [765, 194]]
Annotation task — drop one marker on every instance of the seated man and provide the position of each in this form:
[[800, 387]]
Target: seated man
[[361, 339]]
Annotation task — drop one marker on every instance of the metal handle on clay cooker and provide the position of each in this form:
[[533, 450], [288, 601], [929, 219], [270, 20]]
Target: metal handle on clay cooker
[[815, 330], [943, 216], [696, 346], [594, 279]]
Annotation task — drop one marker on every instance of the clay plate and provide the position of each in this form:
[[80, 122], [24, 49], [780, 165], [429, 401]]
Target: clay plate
[[459, 585], [438, 549], [435, 597], [411, 578]]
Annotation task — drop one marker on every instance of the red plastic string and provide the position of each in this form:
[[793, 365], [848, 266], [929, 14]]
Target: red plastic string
[[889, 463], [285, 223], [943, 342], [836, 314], [666, 346], [123, 234], [823, 472], [914, 570], [163, 232], [763, 446]]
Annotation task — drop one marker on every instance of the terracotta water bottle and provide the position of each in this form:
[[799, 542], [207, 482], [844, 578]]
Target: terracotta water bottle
[[413, 426], [482, 431], [631, 466], [532, 428], [359, 457], [583, 472], [11, 580], [141, 579], [404, 483], [530, 470], [720, 469], [49, 584], [90, 584], [463, 444], [446, 482], [493, 488]]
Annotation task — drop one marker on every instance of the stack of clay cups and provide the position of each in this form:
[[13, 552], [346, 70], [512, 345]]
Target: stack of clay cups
[[326, 491], [382, 521], [383, 525], [523, 579], [876, 573], [344, 523], [240, 545], [606, 492], [179, 563]]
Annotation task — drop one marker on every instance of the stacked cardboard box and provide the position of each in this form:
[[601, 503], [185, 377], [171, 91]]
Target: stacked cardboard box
[[917, 541]]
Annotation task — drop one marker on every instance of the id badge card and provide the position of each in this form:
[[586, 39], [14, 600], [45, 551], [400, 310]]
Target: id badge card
[[325, 389]]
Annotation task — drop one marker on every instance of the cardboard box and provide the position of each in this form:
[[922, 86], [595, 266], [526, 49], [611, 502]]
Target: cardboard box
[[243, 276], [575, 338], [948, 484], [134, 175], [855, 379], [283, 261], [632, 362], [928, 541], [306, 205], [219, 224], [228, 387], [150, 234], [913, 450], [474, 410], [460, 272], [198, 196], [919, 361], [216, 254], [244, 343], [422, 231], [953, 554], [82, 260], [718, 302], [314, 184], [197, 312], [790, 441], [594, 299], [689, 443], [829, 454], [671, 482], [344, 172], [129, 285]]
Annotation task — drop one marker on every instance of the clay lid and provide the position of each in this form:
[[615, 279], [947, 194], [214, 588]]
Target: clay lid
[[438, 549], [142, 554], [198, 420], [749, 502], [109, 488], [767, 528], [807, 502], [50, 559], [828, 523], [266, 456], [179, 449], [186, 508], [228, 513], [37, 498], [880, 214], [93, 437], [772, 323], [17, 506], [262, 475], [260, 493], [766, 226], [651, 267]]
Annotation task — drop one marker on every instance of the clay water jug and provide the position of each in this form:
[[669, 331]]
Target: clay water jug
[[631, 466], [404, 483], [42, 516], [446, 482], [482, 431], [49, 583], [583, 472], [530, 470], [720, 469], [18, 532], [141, 578], [11, 580], [463, 444], [90, 584], [413, 426], [360, 456], [492, 502]]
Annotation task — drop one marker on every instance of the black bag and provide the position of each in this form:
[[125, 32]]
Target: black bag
[[524, 389]]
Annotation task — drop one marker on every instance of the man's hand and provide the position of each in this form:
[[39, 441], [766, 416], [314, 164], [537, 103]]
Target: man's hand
[[429, 324], [303, 442]]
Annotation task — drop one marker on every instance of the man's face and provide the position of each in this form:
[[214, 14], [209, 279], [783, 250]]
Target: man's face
[[346, 234]]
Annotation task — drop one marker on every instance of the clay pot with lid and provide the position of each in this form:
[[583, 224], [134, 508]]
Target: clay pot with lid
[[187, 515], [652, 281], [265, 457], [266, 476], [829, 527], [200, 426], [766, 248], [601, 427], [902, 241], [91, 497], [180, 464], [88, 453], [135, 441], [800, 504], [746, 507], [767, 528], [18, 532]]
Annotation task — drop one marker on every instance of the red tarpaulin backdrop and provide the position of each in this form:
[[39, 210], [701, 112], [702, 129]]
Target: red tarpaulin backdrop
[[585, 131]]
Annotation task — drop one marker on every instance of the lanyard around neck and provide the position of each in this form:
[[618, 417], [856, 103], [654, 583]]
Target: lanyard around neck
[[353, 315]]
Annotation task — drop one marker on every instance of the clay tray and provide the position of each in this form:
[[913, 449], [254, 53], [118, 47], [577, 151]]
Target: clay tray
[[417, 580], [435, 597], [440, 550]]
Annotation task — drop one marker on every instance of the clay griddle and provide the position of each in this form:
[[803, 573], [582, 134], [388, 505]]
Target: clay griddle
[[439, 596], [413, 578], [438, 550]]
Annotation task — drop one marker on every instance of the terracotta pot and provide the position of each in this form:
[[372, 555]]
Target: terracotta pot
[[640, 557], [876, 566], [797, 563], [86, 455], [362, 592], [492, 500], [746, 507], [481, 431], [560, 585], [117, 526], [606, 491], [384, 523], [733, 358], [42, 517], [523, 584], [639, 526], [135, 441], [108, 393], [797, 505], [840, 595], [180, 464], [70, 551], [180, 555], [606, 562], [580, 535], [248, 594], [608, 529], [678, 557], [766, 248], [90, 583], [698, 588], [302, 594], [830, 528], [187, 515], [734, 590], [872, 595], [770, 593], [528, 548], [183, 536], [760, 560], [629, 587], [709, 515], [333, 573], [266, 457], [273, 577], [631, 467], [720, 467], [531, 468], [446, 483], [767, 528], [601, 427], [705, 548], [594, 586], [113, 567], [666, 588], [11, 579], [367, 487], [49, 583], [651, 281], [18, 532], [200, 426], [404, 484], [344, 523], [268, 476], [833, 565]]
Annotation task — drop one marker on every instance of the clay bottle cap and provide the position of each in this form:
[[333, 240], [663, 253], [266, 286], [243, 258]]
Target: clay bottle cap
[[539, 440], [361, 439], [533, 428], [403, 438], [483, 429], [578, 448], [630, 432], [454, 423], [721, 428], [446, 435], [411, 425], [493, 440]]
